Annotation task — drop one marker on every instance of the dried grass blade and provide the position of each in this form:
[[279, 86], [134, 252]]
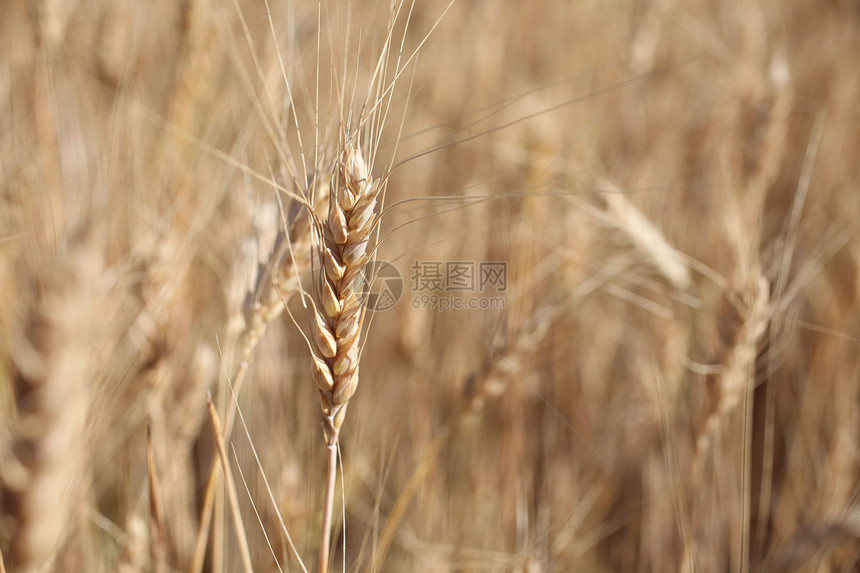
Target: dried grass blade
[[231, 490], [157, 537]]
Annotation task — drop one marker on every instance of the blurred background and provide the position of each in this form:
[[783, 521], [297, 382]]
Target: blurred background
[[667, 379]]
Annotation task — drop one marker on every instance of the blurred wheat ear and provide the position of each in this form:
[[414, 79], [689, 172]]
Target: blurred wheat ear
[[51, 374]]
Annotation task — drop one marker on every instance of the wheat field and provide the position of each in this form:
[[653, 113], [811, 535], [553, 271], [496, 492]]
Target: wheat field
[[585, 273]]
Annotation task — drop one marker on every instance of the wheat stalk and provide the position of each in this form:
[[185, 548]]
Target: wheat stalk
[[338, 313], [230, 487], [157, 535]]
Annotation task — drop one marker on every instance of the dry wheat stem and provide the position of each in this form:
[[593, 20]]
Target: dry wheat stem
[[268, 490], [230, 487], [265, 482], [157, 536], [256, 510], [328, 504]]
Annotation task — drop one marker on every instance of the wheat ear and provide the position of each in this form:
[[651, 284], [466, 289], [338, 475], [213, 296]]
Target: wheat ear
[[52, 368], [738, 374], [338, 312], [506, 362]]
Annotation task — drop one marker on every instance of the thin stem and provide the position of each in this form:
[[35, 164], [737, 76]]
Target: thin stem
[[331, 480], [229, 486], [214, 470]]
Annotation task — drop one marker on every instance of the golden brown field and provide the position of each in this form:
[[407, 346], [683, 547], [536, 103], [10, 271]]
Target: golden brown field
[[667, 379]]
